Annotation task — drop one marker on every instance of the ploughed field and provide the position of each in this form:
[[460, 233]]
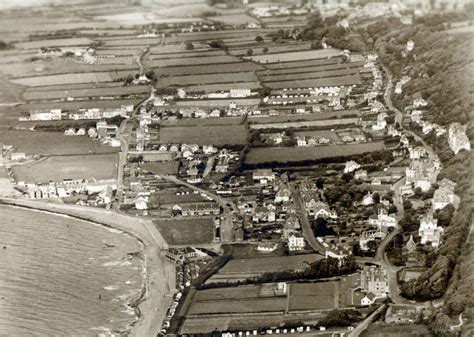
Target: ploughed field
[[62, 276]]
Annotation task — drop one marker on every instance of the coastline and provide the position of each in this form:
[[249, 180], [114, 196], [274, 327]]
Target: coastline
[[159, 279]]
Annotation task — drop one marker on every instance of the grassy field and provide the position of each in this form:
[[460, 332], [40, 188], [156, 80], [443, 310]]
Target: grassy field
[[92, 92], [316, 82], [310, 75], [258, 49], [311, 68], [227, 293], [396, 330], [37, 81], [299, 118], [241, 269], [51, 143], [296, 56], [189, 61], [219, 102], [294, 154], [103, 104], [331, 135], [186, 232], [204, 135], [208, 79], [314, 296], [307, 63], [58, 168], [210, 69], [184, 54], [81, 41], [251, 305], [170, 167], [303, 123], [207, 88]]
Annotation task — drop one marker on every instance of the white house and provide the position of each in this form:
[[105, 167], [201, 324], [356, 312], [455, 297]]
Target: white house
[[383, 220], [263, 176], [457, 138], [301, 141], [410, 45], [296, 243], [141, 202], [368, 299], [351, 166], [429, 230], [367, 199], [282, 195], [267, 246]]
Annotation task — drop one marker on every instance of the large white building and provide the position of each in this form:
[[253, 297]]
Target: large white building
[[429, 230], [457, 138]]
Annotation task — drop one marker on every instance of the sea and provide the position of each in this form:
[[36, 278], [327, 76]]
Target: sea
[[60, 276]]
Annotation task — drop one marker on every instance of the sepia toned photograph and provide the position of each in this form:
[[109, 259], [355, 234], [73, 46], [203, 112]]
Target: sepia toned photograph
[[236, 168]]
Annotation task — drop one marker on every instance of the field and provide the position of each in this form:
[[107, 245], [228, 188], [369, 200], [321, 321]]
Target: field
[[53, 43], [38, 81], [58, 168], [188, 61], [201, 135], [314, 296], [52, 143], [307, 63], [269, 120], [345, 80], [310, 123], [66, 106], [186, 232], [310, 74], [210, 69], [219, 102], [208, 79], [235, 19], [169, 167], [223, 87], [295, 154], [396, 330], [331, 135], [239, 269], [90, 92], [296, 56]]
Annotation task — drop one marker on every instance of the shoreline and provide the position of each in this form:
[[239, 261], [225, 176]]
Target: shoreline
[[157, 291]]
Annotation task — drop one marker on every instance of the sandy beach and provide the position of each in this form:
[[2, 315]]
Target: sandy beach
[[159, 273]]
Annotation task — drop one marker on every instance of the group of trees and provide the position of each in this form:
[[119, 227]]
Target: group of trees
[[438, 68]]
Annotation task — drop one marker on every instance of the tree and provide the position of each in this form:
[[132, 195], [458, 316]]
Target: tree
[[189, 46], [320, 183], [259, 39], [407, 205], [129, 79], [317, 45], [265, 50], [249, 52], [376, 198], [217, 44], [150, 74]]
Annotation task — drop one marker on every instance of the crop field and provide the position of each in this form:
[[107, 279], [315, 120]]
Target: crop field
[[204, 135], [108, 32], [58, 168], [187, 54], [295, 154], [187, 61], [311, 75], [92, 92], [307, 63], [80, 41], [210, 69], [314, 296], [133, 19], [208, 79], [186, 232], [223, 87], [68, 106], [37, 81], [311, 69], [296, 56], [202, 122], [219, 102], [230, 306], [240, 269], [309, 123], [51, 143]]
